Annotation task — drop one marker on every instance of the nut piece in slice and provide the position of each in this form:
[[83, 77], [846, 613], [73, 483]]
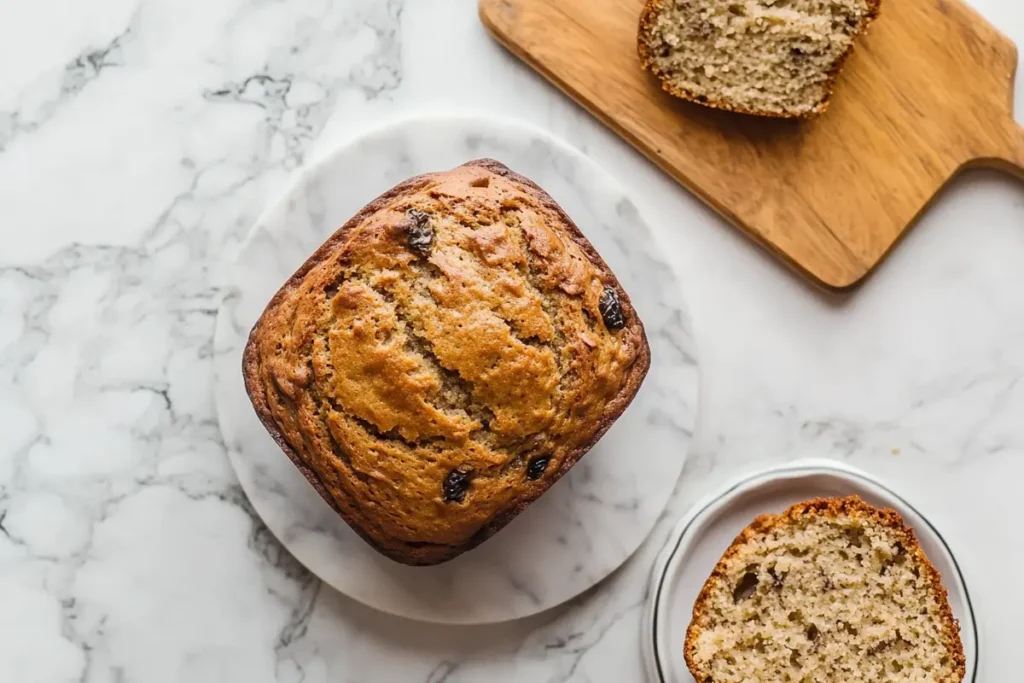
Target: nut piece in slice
[[830, 590], [767, 57]]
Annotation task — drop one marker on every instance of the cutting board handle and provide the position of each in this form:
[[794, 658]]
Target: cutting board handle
[[1012, 161]]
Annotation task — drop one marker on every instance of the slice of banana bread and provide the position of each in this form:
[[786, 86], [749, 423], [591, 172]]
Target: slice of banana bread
[[830, 590], [444, 358], [766, 57]]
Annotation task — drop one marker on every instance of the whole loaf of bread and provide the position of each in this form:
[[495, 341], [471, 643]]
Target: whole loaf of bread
[[444, 358]]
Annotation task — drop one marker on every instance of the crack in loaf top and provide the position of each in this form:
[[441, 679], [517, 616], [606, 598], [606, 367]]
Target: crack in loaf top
[[445, 357]]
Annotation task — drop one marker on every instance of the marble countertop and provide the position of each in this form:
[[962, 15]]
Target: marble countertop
[[139, 140]]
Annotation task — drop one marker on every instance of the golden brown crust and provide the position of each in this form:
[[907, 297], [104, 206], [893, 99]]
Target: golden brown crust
[[851, 506], [378, 375], [648, 64]]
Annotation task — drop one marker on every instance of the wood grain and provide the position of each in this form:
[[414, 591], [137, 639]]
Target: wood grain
[[926, 93]]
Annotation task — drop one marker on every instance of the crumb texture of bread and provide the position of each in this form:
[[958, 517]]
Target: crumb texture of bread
[[445, 357], [831, 591], [767, 57]]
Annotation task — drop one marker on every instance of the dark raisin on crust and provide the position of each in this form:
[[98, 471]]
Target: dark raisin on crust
[[418, 230], [537, 466], [611, 309], [455, 486]]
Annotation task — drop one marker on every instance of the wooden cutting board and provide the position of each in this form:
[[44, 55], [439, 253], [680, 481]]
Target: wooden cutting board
[[926, 93]]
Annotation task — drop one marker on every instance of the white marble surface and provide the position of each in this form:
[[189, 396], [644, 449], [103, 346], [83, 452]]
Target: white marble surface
[[139, 139], [594, 518]]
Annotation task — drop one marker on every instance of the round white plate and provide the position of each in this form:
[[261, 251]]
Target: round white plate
[[694, 548], [589, 522]]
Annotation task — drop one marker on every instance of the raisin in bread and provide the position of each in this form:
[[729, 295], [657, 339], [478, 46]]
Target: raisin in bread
[[444, 358], [767, 57], [830, 590]]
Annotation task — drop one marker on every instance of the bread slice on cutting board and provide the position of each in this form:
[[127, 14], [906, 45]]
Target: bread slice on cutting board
[[830, 590], [774, 58]]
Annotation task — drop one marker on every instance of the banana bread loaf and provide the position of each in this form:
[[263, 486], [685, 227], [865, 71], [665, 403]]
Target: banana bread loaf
[[766, 57], [830, 590], [445, 357]]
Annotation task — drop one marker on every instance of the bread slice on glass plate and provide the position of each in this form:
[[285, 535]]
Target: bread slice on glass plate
[[830, 590]]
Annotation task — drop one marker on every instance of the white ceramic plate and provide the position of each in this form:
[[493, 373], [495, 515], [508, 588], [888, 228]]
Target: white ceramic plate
[[699, 540], [592, 520]]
